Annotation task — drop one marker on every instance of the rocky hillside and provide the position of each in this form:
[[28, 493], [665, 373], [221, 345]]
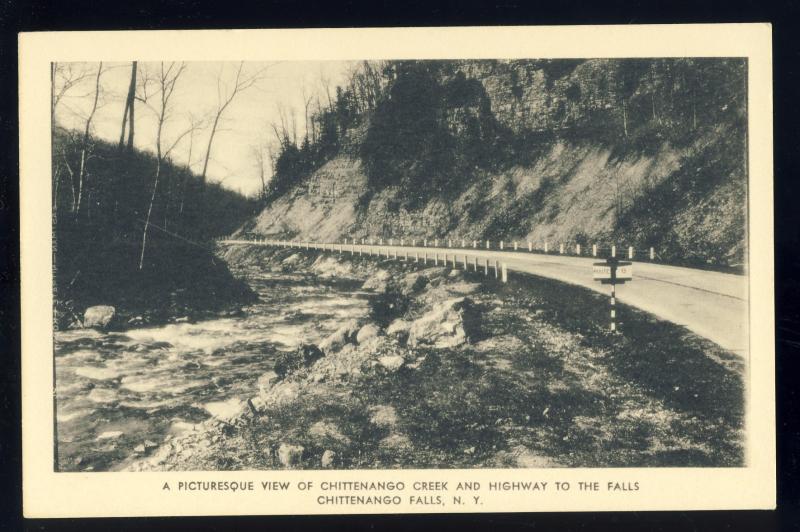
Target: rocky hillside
[[633, 152]]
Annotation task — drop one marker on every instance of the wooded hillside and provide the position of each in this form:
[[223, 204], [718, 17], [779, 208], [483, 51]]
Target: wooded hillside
[[629, 151]]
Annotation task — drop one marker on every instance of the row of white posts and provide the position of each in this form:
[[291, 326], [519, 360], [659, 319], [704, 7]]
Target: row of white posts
[[402, 242], [561, 249], [500, 268]]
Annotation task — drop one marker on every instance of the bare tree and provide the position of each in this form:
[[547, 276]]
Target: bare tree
[[85, 147], [325, 82], [225, 96], [261, 162], [128, 114], [195, 126], [63, 77], [165, 80], [307, 98]]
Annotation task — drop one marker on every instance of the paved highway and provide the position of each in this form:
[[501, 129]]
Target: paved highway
[[711, 304]]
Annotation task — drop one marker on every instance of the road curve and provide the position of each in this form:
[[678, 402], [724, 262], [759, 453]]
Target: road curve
[[713, 305]]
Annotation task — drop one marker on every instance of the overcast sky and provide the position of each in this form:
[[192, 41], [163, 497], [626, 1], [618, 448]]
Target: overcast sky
[[246, 121]]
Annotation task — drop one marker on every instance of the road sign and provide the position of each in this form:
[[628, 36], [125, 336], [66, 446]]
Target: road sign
[[618, 272]]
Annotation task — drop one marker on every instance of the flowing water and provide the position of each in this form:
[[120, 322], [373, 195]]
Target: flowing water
[[117, 390]]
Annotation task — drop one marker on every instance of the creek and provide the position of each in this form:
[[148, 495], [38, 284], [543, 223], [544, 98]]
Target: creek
[[117, 390]]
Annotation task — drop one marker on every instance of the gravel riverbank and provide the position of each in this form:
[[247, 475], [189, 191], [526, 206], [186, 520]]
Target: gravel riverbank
[[451, 369]]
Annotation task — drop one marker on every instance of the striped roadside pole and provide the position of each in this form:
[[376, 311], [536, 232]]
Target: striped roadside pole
[[613, 308]]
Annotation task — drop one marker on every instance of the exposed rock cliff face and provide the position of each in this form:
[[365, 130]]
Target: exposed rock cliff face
[[640, 152]]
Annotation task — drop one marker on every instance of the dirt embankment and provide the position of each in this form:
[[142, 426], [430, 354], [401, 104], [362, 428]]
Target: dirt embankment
[[453, 369]]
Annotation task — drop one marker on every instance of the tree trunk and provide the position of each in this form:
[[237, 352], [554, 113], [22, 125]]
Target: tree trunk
[[149, 213], [158, 171], [625, 118], [128, 108], [131, 118], [85, 144], [208, 148]]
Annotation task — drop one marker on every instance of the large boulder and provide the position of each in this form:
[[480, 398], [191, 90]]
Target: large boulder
[[292, 260], [346, 334], [384, 416], [225, 410], [328, 459], [379, 281], [448, 324], [366, 332], [289, 361], [327, 432], [391, 363], [267, 381], [330, 266], [290, 455], [412, 283], [399, 329], [98, 316]]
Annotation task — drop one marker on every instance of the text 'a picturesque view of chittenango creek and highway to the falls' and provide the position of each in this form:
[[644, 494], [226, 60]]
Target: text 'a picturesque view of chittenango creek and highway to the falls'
[[527, 263]]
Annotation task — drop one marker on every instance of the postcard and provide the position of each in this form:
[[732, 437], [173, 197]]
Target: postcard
[[402, 270]]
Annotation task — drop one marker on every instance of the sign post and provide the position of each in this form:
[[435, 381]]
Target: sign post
[[613, 272]]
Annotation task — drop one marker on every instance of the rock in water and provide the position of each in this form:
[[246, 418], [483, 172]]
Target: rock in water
[[366, 332], [290, 455], [98, 316], [328, 458]]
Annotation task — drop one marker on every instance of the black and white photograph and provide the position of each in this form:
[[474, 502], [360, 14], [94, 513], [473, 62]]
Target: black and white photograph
[[400, 264], [400, 282]]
